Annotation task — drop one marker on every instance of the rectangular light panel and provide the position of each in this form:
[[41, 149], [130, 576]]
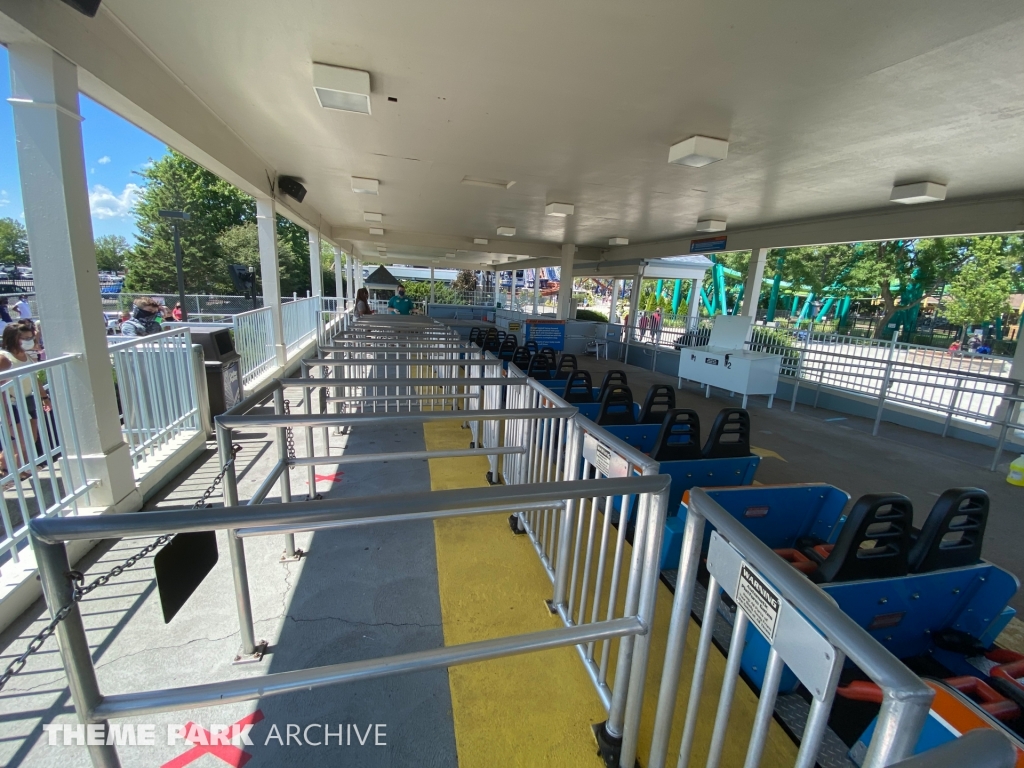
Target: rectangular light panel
[[347, 90], [363, 186]]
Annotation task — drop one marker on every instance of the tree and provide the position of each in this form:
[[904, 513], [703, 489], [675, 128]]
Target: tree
[[176, 183], [465, 281], [980, 290], [13, 242], [240, 245], [111, 251]]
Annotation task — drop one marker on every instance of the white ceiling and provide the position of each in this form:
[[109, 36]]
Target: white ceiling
[[825, 104]]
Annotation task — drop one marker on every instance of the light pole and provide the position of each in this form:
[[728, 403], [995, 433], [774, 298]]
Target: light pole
[[176, 217]]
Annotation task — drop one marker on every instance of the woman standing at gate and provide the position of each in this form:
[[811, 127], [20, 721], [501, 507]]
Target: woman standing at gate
[[363, 303], [17, 339]]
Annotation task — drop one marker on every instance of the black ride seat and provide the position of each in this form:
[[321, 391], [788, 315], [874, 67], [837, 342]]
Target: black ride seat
[[953, 533], [475, 335], [661, 398], [873, 544], [541, 367], [491, 342], [532, 347], [521, 358], [613, 377], [579, 388], [566, 366], [679, 437], [616, 407], [730, 435], [508, 348]]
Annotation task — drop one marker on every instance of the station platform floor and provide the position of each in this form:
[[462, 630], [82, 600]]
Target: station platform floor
[[369, 592]]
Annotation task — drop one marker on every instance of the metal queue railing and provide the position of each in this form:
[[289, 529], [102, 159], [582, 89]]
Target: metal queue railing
[[49, 538]]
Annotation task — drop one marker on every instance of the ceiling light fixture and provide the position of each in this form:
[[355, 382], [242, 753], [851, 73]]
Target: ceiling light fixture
[[473, 181], [480, 240], [449, 255], [710, 225], [363, 186], [919, 192], [341, 88], [507, 231], [619, 241], [698, 151], [559, 209], [376, 231], [373, 217]]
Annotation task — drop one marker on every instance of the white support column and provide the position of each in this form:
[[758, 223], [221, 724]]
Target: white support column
[[339, 279], [47, 126], [752, 287], [497, 287], [565, 281], [616, 284], [536, 290], [316, 272], [431, 285], [634, 295], [270, 272], [693, 305]]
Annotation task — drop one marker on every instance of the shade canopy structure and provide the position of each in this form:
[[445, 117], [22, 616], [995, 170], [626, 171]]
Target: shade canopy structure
[[557, 122], [381, 280]]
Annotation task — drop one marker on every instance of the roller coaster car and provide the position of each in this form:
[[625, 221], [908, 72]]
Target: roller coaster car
[[541, 367], [566, 367], [490, 341], [724, 460], [507, 350], [476, 336], [960, 705], [521, 358], [920, 593]]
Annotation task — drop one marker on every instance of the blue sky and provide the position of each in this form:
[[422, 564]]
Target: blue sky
[[113, 149]]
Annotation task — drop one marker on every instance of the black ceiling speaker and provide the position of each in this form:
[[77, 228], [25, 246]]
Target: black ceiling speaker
[[88, 7], [291, 186]]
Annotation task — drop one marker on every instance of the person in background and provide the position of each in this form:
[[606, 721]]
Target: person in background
[[363, 303], [176, 312], [142, 320], [5, 314], [400, 303], [17, 341], [22, 308]]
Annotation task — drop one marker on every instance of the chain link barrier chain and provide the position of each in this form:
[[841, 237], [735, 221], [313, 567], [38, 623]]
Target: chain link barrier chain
[[289, 436], [81, 589]]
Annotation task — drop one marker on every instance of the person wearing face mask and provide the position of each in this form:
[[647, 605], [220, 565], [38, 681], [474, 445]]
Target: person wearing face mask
[[142, 321], [17, 339], [400, 303]]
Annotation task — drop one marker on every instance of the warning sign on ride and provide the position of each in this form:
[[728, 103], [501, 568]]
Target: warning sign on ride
[[759, 601]]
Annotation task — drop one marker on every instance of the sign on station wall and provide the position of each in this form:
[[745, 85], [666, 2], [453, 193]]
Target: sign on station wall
[[547, 333]]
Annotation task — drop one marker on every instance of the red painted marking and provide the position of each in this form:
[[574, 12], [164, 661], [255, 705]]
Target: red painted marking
[[228, 753], [335, 478]]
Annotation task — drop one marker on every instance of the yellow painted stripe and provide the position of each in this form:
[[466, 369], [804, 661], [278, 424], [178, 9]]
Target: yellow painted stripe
[[536, 709]]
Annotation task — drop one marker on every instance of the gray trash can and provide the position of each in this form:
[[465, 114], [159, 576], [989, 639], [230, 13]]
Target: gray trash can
[[223, 368]]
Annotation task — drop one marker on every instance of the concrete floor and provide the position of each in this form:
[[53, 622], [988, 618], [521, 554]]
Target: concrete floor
[[816, 445], [359, 593]]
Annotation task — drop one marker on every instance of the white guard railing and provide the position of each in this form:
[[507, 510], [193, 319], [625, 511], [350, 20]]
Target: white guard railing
[[300, 321], [156, 385], [254, 341], [42, 470]]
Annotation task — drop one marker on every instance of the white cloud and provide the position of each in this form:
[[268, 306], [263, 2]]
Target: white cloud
[[106, 205], [4, 199], [103, 160]]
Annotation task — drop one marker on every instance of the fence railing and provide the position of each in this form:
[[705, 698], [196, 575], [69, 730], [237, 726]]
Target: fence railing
[[811, 635], [300, 320], [156, 385], [254, 341], [42, 469]]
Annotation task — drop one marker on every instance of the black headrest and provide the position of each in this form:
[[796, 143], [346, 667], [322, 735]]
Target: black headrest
[[953, 533], [491, 341], [661, 398], [475, 334], [566, 366], [508, 348], [679, 437], [874, 542], [616, 407], [532, 346], [541, 367], [611, 378], [521, 358], [730, 435], [579, 388]]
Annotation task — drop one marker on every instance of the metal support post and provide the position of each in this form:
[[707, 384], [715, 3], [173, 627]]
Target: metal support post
[[290, 553], [54, 570], [885, 384], [236, 549]]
